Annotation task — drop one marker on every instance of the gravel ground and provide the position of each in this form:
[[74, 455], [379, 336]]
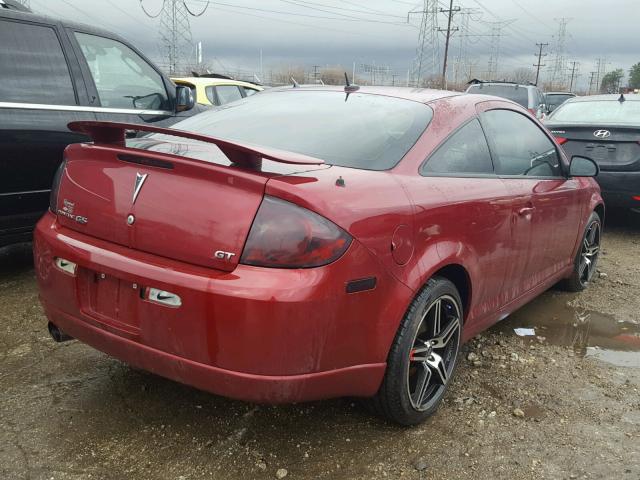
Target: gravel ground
[[562, 404]]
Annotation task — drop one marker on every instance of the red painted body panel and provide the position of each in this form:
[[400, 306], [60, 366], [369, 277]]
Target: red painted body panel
[[278, 322], [276, 335]]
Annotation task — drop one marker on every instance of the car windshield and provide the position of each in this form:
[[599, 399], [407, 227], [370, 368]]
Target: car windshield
[[512, 92], [554, 100], [598, 111], [371, 132]]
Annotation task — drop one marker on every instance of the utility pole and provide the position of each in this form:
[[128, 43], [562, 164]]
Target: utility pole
[[393, 79], [175, 31], [540, 64], [573, 75], [590, 82], [450, 11], [315, 73]]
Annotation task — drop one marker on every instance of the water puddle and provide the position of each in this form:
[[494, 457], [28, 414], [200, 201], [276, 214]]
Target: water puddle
[[587, 332]]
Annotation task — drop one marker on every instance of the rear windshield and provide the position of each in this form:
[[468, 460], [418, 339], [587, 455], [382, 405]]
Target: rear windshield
[[598, 111], [517, 94], [371, 132], [554, 100]]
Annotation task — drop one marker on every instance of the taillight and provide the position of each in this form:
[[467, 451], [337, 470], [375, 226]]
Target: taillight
[[636, 197], [284, 235], [561, 140], [53, 196]]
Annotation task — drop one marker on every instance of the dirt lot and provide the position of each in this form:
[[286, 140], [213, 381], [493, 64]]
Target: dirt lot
[[562, 404]]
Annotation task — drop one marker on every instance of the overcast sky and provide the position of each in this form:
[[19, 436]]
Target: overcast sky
[[341, 32]]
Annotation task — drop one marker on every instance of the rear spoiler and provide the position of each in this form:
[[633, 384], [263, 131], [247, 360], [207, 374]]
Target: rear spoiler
[[114, 133]]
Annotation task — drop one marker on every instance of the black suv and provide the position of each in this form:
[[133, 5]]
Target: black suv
[[51, 73]]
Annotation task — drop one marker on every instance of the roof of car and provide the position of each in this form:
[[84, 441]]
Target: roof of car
[[422, 95], [481, 83], [208, 81], [607, 97], [24, 15], [560, 93]]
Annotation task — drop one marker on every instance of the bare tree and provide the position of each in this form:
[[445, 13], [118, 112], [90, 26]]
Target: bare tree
[[522, 76]]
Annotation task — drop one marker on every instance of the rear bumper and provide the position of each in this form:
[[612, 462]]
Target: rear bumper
[[359, 380], [619, 188], [262, 335]]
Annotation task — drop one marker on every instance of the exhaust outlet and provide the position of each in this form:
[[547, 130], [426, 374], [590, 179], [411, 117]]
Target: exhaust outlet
[[58, 334]]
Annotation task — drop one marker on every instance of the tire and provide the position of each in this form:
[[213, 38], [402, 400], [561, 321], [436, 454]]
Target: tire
[[587, 257], [412, 363]]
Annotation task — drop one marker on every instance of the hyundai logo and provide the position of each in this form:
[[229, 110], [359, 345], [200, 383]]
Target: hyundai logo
[[602, 134]]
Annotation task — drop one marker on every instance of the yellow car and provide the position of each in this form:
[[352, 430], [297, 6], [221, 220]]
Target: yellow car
[[217, 90]]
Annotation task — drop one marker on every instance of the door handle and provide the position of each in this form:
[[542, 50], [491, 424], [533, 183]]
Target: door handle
[[525, 211]]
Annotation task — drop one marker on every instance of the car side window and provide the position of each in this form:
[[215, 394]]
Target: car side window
[[228, 93], [249, 91], [123, 78], [519, 146], [33, 68], [464, 152]]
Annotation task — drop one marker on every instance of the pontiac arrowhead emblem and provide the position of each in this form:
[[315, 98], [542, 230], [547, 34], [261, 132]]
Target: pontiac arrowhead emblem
[[138, 186]]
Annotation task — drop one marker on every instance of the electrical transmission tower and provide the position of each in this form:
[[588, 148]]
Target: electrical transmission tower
[[559, 65], [462, 56], [494, 57], [175, 32], [427, 60], [378, 73]]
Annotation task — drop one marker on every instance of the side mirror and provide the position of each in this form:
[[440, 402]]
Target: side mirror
[[184, 99], [583, 167]]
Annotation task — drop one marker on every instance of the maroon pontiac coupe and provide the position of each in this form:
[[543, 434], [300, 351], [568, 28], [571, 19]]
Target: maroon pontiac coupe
[[308, 243]]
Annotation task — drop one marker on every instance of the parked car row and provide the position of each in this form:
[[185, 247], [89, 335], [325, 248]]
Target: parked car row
[[217, 89], [529, 96], [605, 128]]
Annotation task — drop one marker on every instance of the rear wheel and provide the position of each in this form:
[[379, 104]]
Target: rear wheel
[[423, 356], [587, 258]]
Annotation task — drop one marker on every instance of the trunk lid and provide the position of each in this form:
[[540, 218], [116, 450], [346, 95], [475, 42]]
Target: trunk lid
[[613, 148], [174, 206]]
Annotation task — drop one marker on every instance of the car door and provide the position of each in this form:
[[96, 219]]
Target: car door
[[123, 86], [547, 205], [39, 96], [471, 214]]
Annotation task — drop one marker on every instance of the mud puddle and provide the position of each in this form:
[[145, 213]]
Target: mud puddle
[[553, 318]]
